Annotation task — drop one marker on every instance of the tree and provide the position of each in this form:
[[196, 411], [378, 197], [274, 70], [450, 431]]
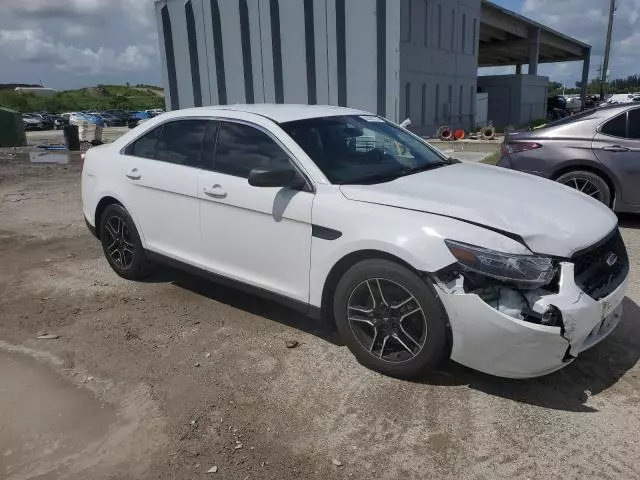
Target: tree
[[555, 88]]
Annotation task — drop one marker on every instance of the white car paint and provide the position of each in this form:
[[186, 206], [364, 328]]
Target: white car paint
[[258, 234], [263, 236], [522, 204]]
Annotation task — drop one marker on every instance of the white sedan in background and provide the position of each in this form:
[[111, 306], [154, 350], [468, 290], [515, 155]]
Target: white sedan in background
[[352, 219]]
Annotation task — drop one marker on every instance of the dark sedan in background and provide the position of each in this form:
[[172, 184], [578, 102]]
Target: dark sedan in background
[[596, 152]]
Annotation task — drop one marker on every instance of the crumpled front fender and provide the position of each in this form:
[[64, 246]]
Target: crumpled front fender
[[490, 341]]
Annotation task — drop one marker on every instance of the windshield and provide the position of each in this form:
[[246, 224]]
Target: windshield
[[362, 149]]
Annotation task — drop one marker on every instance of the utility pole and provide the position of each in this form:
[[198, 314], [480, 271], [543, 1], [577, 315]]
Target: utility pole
[[607, 49]]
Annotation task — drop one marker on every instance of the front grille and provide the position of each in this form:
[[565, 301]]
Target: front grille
[[596, 272]]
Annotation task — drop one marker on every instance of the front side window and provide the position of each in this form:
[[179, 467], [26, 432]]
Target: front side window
[[241, 148], [180, 142], [616, 127], [362, 149]]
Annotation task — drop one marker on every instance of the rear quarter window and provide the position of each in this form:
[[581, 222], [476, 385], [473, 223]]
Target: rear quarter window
[[616, 127]]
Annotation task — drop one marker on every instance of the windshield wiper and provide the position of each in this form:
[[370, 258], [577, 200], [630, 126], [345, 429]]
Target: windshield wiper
[[379, 178], [390, 176], [428, 166]]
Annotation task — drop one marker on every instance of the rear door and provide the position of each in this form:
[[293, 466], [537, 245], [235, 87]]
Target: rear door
[[257, 235], [617, 145], [161, 178]]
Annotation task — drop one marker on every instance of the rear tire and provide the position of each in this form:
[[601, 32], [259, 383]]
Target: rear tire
[[588, 183], [121, 243], [390, 319]]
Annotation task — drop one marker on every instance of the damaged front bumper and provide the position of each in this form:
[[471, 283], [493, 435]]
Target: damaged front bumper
[[493, 342]]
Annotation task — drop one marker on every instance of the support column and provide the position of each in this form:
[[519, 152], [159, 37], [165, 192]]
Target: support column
[[585, 76], [519, 69], [534, 50]]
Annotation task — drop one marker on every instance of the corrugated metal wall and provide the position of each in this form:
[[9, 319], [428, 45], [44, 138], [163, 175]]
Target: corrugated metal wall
[[439, 63], [338, 52]]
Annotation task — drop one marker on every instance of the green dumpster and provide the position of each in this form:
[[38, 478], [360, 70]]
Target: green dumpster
[[11, 129]]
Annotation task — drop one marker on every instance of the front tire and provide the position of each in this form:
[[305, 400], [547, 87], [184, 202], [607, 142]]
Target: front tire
[[588, 183], [121, 243], [390, 319]]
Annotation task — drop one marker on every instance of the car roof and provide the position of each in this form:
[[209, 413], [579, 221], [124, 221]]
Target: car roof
[[616, 108], [279, 113]]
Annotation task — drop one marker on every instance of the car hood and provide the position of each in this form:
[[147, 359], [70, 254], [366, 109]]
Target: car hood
[[552, 219]]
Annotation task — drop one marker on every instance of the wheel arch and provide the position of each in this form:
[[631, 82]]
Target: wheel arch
[[100, 208], [592, 168], [349, 260]]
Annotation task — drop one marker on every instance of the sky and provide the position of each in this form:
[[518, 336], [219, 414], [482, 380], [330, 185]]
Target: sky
[[75, 43], [585, 20]]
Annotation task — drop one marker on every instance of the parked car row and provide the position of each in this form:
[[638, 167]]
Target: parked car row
[[622, 98], [43, 121], [111, 118]]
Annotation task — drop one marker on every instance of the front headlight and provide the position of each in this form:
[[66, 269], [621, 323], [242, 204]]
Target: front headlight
[[528, 269]]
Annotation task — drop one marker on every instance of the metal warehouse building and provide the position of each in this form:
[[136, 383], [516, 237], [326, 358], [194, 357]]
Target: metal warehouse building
[[398, 58]]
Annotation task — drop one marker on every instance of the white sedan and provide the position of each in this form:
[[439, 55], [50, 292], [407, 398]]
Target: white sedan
[[354, 220]]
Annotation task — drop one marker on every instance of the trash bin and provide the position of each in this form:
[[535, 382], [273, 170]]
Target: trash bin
[[71, 137], [11, 129]]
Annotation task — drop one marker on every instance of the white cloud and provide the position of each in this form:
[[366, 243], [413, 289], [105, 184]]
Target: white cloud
[[56, 8], [73, 31], [140, 11], [133, 11], [34, 46]]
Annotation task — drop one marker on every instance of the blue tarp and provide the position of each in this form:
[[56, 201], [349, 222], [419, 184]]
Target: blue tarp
[[91, 119]]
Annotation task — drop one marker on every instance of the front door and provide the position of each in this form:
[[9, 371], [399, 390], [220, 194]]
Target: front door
[[257, 235], [617, 145]]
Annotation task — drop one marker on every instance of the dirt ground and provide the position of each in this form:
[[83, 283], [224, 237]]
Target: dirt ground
[[169, 378]]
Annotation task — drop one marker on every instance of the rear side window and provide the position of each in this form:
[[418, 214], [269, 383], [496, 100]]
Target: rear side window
[[616, 127], [180, 142], [241, 148], [145, 146], [634, 123]]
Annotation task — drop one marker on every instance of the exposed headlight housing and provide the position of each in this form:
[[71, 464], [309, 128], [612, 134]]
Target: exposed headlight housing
[[531, 270]]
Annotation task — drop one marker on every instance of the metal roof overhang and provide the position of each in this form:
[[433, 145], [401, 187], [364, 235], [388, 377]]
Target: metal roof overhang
[[506, 39]]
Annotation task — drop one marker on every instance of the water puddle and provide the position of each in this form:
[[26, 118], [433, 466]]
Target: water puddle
[[34, 157], [57, 157], [46, 420]]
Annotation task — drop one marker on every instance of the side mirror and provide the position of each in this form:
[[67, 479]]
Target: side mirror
[[287, 177]]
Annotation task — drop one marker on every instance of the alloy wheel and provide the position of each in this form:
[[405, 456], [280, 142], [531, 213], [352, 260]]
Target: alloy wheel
[[119, 245], [387, 320], [585, 186]]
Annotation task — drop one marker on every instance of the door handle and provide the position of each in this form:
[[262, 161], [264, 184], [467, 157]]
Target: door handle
[[615, 148], [216, 191], [133, 174]]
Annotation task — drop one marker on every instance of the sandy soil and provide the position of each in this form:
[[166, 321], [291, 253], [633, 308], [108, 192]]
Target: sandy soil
[[168, 378]]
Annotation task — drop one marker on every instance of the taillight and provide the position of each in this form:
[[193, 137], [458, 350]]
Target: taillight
[[519, 147]]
